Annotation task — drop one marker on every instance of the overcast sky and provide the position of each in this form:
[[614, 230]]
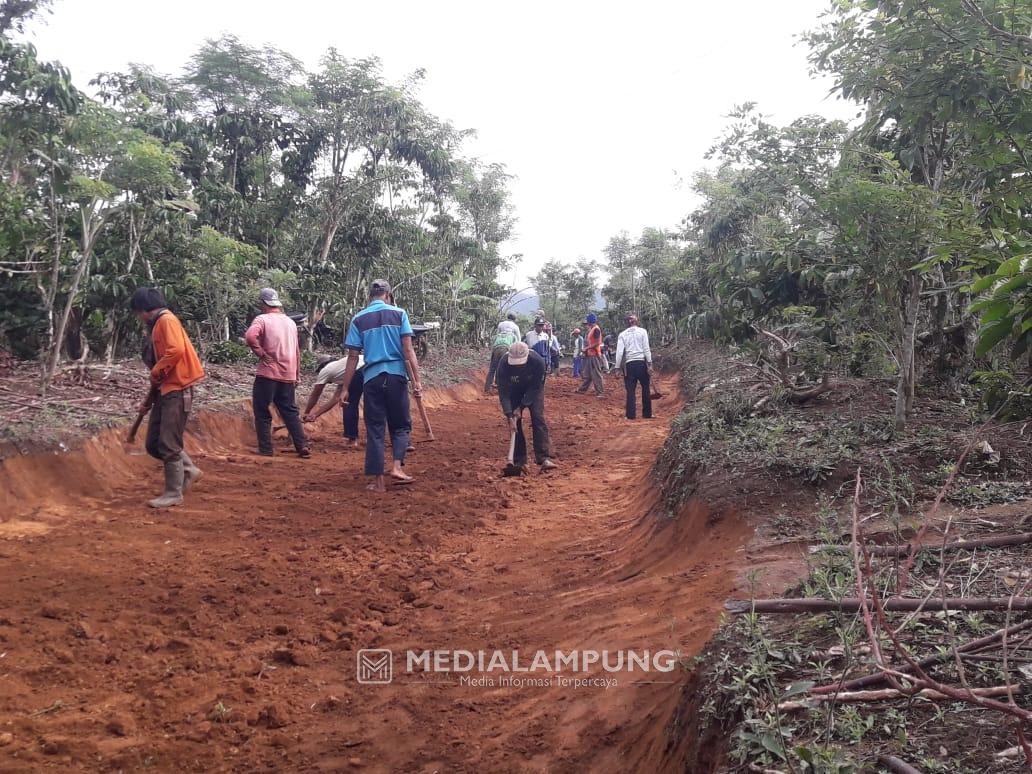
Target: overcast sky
[[602, 110]]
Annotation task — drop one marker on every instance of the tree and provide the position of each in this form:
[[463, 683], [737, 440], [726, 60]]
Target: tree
[[241, 169], [108, 167], [621, 290], [550, 284], [945, 92]]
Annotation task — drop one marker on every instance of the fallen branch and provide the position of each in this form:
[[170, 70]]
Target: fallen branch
[[891, 604], [971, 646], [780, 348], [958, 545], [891, 694], [58, 404], [796, 395]]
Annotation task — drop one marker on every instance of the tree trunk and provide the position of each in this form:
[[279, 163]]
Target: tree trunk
[[62, 325], [940, 319], [91, 225], [907, 367], [329, 234], [111, 336], [49, 294]]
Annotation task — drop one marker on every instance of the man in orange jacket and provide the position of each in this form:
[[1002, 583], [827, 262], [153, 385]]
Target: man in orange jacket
[[174, 369]]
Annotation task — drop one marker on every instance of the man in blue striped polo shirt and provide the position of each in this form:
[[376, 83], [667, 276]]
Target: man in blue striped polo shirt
[[382, 334]]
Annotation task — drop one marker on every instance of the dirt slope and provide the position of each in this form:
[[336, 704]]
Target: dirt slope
[[222, 635]]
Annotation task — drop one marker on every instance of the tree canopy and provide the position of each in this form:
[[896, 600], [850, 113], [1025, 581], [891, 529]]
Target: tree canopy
[[244, 169]]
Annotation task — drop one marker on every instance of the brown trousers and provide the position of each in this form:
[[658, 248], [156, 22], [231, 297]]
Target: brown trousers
[[592, 374], [167, 423]]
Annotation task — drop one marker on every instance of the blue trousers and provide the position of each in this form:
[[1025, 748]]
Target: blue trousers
[[386, 407], [577, 361]]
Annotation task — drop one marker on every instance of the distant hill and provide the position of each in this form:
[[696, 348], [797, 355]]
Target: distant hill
[[528, 303]]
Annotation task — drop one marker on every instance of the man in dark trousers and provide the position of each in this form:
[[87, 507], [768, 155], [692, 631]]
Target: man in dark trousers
[[273, 338], [174, 370], [383, 335], [634, 360], [332, 372], [521, 387]]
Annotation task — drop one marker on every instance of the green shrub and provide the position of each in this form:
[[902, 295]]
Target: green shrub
[[309, 361], [998, 388], [228, 353]]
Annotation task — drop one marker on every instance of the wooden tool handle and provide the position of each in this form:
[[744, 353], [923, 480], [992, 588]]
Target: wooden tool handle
[[425, 418], [151, 397]]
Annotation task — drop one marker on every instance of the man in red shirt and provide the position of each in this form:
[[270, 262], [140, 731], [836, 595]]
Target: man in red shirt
[[174, 369], [592, 357], [273, 338]]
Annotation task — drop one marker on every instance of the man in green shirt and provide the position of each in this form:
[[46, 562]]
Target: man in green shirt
[[507, 333]]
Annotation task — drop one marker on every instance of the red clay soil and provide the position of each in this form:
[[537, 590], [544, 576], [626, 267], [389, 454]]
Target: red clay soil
[[222, 635]]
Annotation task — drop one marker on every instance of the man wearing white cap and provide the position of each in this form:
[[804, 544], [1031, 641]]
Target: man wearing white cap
[[273, 338], [521, 387]]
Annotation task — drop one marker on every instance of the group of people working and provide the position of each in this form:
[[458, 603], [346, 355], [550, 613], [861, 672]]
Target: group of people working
[[519, 370], [378, 367]]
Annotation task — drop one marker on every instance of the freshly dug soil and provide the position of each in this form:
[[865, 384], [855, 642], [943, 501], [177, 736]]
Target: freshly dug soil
[[222, 635]]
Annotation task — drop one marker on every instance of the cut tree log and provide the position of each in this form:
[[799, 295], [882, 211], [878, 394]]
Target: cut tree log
[[890, 694], [891, 604], [896, 765], [971, 646], [994, 541]]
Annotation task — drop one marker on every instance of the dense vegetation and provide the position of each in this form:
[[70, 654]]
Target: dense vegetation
[[243, 170], [899, 245]]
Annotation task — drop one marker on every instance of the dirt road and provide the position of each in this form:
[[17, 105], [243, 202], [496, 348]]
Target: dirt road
[[222, 635]]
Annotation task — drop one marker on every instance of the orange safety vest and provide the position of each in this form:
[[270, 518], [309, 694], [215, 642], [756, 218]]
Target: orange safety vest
[[594, 342]]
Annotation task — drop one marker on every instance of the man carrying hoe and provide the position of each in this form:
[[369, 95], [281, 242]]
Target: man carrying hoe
[[174, 369], [634, 360], [383, 335], [521, 387]]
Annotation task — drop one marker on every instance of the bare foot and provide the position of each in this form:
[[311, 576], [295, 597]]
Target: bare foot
[[401, 477], [377, 485]]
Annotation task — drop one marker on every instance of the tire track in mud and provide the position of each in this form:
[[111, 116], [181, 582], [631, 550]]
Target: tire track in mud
[[222, 635]]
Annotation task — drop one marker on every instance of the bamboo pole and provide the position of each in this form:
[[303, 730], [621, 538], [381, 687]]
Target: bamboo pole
[[890, 694], [892, 604], [958, 545]]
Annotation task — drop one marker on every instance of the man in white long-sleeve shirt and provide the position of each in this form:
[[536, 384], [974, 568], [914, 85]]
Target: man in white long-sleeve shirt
[[634, 359]]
